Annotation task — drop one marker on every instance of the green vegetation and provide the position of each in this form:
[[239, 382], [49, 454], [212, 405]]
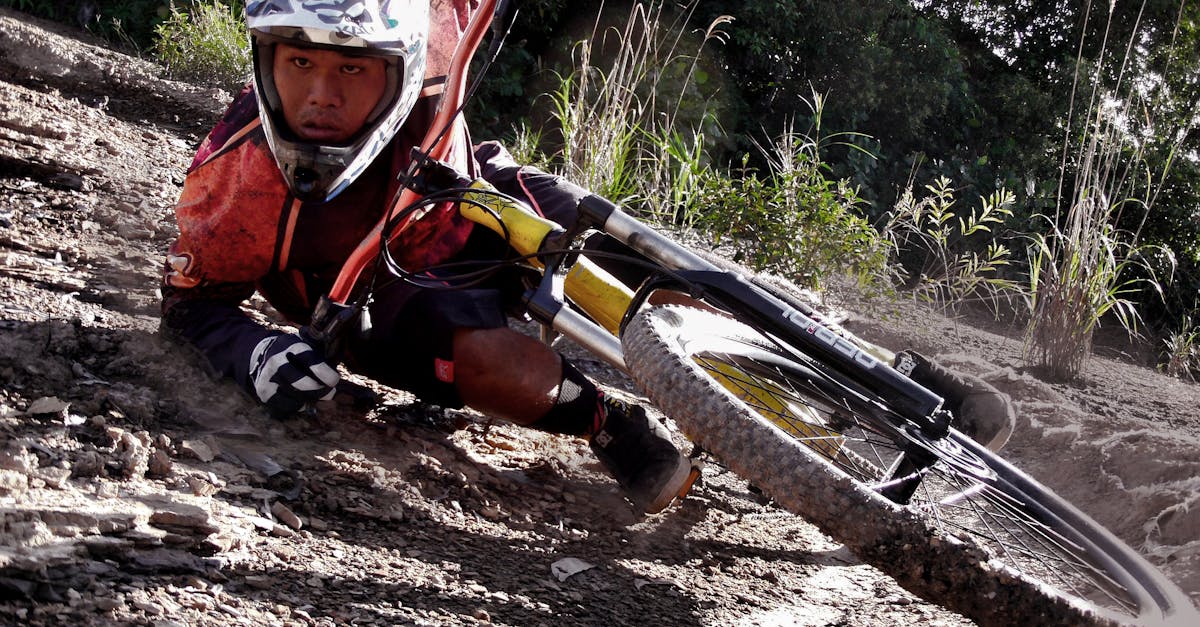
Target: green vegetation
[[912, 143], [127, 23], [794, 219], [1085, 266], [959, 259], [620, 134], [205, 44], [1183, 351]]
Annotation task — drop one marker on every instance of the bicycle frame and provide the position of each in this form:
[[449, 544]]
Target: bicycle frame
[[569, 276]]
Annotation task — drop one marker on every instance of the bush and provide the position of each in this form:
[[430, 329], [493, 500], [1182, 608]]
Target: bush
[[795, 221], [206, 44]]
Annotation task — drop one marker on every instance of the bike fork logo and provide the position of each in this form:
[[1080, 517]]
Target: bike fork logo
[[833, 340]]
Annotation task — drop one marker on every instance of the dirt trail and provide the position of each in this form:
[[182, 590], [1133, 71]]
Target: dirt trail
[[135, 489]]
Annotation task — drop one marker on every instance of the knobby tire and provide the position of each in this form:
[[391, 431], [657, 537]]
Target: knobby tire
[[979, 536]]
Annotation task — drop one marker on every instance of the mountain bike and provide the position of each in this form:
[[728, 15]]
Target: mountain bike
[[796, 406]]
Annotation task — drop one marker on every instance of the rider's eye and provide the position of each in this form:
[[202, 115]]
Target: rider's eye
[[352, 69]]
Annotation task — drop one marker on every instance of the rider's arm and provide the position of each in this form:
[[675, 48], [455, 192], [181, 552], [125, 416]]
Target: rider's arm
[[211, 320], [551, 196], [556, 199]]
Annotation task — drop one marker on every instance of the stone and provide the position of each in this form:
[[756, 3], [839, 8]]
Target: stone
[[13, 483], [88, 464], [201, 486], [197, 449], [286, 515], [174, 516], [159, 465], [133, 453], [167, 560]]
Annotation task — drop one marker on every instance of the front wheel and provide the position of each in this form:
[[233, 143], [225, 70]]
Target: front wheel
[[973, 534]]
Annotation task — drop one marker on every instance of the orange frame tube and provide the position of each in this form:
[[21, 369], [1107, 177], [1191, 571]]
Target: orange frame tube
[[452, 97]]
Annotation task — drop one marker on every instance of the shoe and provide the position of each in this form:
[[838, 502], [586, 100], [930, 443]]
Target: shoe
[[639, 454], [981, 412]]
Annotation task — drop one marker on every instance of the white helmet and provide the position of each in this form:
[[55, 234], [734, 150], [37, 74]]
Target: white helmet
[[396, 30]]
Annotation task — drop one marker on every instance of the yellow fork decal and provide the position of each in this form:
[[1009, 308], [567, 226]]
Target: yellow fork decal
[[800, 421]]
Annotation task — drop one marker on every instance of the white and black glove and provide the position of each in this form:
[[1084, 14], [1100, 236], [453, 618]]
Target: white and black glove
[[287, 373], [982, 412]]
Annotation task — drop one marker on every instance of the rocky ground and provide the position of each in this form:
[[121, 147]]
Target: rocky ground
[[134, 489]]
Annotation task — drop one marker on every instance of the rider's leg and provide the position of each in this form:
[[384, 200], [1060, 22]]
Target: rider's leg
[[547, 393], [452, 348], [506, 374]]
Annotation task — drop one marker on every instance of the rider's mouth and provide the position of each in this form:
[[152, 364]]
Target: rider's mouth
[[321, 133]]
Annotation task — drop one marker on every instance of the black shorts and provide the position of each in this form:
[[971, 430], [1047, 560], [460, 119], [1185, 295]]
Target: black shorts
[[410, 343]]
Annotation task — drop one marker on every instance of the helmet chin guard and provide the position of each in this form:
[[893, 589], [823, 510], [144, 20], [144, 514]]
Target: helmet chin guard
[[395, 30]]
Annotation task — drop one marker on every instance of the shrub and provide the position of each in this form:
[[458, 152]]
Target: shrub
[[960, 258], [795, 220], [206, 43], [1183, 351]]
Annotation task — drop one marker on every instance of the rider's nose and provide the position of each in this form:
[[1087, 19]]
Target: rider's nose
[[324, 91]]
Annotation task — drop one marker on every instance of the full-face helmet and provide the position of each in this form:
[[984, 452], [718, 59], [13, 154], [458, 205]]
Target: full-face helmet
[[395, 30]]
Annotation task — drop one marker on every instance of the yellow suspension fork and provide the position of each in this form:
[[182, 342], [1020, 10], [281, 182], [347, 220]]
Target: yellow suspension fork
[[588, 285]]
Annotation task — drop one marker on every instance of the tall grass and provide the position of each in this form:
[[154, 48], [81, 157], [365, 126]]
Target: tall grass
[[610, 118], [621, 136], [1084, 268], [1183, 351]]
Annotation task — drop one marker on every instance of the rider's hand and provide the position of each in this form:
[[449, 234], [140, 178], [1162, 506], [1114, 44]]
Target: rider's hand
[[287, 373], [980, 410]]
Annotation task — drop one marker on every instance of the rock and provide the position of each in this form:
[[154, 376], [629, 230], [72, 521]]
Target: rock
[[47, 405], [260, 582], [204, 486], [286, 516], [70, 180], [54, 477], [167, 560], [20, 460], [133, 452], [88, 464], [182, 516], [264, 524], [13, 483], [197, 449], [108, 604], [159, 465], [107, 547], [134, 232]]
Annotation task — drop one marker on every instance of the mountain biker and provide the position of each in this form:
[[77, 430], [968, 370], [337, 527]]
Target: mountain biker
[[301, 167]]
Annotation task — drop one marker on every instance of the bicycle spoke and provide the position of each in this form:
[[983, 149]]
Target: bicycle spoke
[[744, 394], [953, 501], [1025, 542]]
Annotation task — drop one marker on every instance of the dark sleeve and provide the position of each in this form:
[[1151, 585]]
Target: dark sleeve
[[211, 320], [552, 196], [557, 199]]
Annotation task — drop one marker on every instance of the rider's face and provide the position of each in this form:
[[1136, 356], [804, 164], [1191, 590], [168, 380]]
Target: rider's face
[[326, 95]]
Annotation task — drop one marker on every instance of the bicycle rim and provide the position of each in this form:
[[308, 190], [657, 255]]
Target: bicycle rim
[[1015, 549]]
